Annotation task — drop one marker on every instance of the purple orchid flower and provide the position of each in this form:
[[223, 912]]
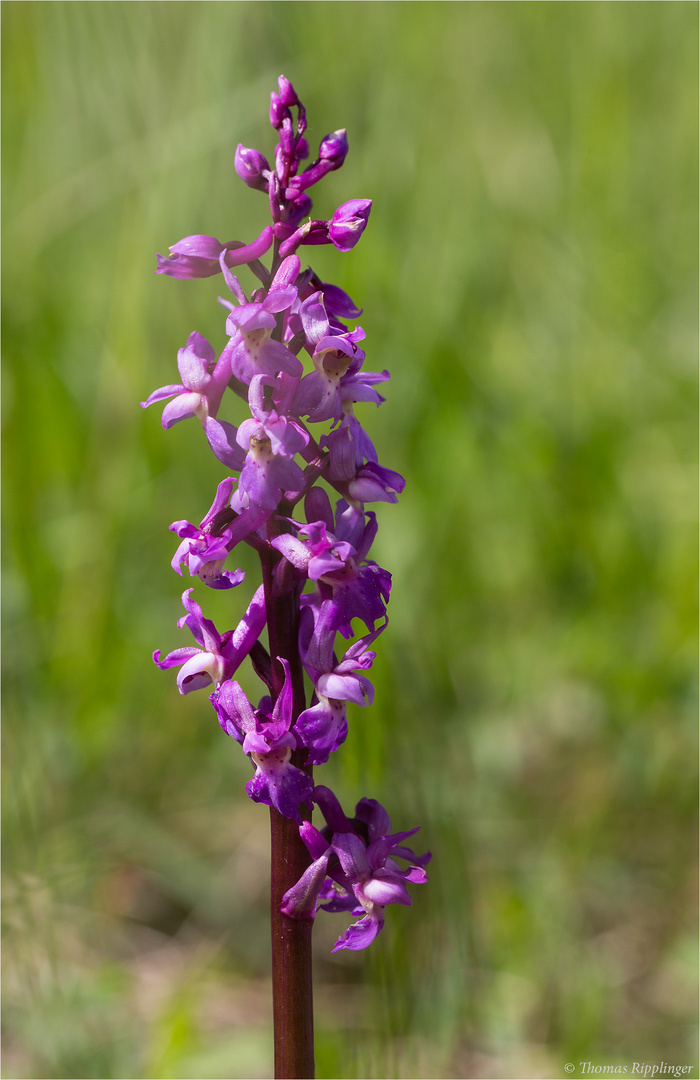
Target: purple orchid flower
[[220, 655], [343, 230], [359, 858], [266, 736], [320, 393], [272, 440], [348, 446], [358, 590], [198, 256], [374, 483], [205, 549], [252, 351], [252, 167], [322, 728], [203, 383]]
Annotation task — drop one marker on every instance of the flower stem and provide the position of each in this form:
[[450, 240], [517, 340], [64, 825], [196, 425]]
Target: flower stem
[[292, 985]]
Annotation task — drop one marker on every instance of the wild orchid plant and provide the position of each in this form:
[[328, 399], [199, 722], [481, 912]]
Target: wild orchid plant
[[317, 578]]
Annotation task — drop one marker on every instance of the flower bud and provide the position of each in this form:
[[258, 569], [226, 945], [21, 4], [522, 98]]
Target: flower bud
[[334, 148], [348, 223], [288, 95], [250, 166], [193, 257], [278, 111]]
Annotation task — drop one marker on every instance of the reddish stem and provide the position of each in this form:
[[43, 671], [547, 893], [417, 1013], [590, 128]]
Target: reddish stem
[[292, 985]]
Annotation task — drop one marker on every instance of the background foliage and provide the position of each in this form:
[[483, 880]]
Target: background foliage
[[529, 278]]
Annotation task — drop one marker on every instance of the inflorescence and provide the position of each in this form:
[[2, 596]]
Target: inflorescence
[[280, 466]]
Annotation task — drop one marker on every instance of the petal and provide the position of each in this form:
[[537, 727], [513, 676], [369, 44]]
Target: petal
[[316, 844], [250, 317], [382, 891], [416, 875], [221, 436], [314, 318], [182, 407], [293, 550], [343, 688], [232, 707], [300, 901], [280, 784], [178, 656], [282, 712], [353, 855], [362, 933], [331, 809], [410, 856], [222, 499], [280, 299], [205, 665], [202, 247], [382, 847], [162, 393], [194, 362], [322, 729], [375, 817]]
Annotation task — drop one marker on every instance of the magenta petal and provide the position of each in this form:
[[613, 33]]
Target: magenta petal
[[163, 392], [375, 816], [353, 855], [300, 901], [278, 783], [249, 317], [384, 892], [342, 687], [235, 712], [415, 874], [293, 550], [198, 671], [194, 362], [203, 247], [180, 555], [177, 656], [221, 437], [282, 711], [382, 847], [331, 809], [322, 729], [186, 266], [247, 632], [280, 299], [316, 844], [360, 934], [181, 408]]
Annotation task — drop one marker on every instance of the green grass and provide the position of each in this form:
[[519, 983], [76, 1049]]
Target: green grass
[[529, 279]]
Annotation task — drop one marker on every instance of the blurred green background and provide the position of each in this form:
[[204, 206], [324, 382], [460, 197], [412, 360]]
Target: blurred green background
[[529, 278]]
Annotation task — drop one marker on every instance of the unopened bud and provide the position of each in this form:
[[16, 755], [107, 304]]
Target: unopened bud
[[348, 223], [288, 95], [334, 148], [250, 165], [278, 111]]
